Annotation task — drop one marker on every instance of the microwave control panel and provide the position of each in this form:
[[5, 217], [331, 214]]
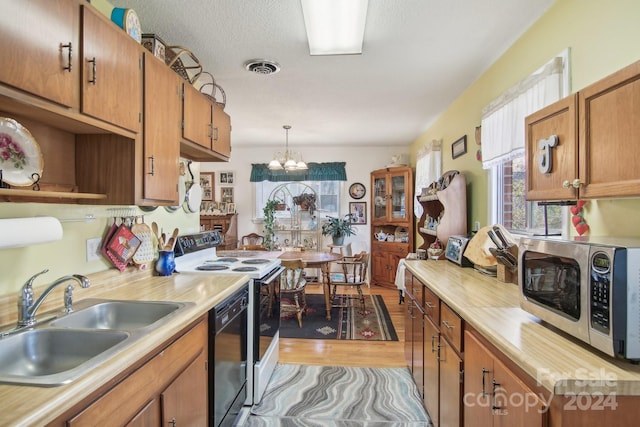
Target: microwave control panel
[[600, 292]]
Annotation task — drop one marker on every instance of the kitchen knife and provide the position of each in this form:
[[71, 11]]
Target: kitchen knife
[[494, 239], [501, 236]]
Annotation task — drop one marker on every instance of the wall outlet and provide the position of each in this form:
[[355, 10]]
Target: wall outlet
[[93, 248]]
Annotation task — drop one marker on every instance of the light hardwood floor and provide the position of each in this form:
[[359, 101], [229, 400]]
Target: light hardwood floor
[[351, 352]]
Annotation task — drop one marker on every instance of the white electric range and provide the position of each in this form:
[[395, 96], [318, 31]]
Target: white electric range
[[197, 253]]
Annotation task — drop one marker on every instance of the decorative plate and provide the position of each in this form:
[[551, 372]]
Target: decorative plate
[[379, 201], [20, 155], [357, 190]]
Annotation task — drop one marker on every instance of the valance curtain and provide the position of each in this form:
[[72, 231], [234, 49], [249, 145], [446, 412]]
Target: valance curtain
[[330, 171], [503, 132], [428, 169]]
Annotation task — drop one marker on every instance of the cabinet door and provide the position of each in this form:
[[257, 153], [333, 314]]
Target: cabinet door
[[161, 131], [380, 267], [610, 124], [149, 416], [431, 370], [41, 59], [196, 115], [408, 333], [398, 192], [111, 73], [478, 376], [548, 167], [417, 331], [221, 131], [184, 401], [514, 403], [378, 198], [450, 386]]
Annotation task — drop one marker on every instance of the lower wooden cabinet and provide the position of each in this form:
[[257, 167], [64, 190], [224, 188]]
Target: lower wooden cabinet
[[171, 387], [493, 394], [384, 262]]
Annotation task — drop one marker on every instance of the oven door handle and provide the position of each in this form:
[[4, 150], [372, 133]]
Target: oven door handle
[[274, 276]]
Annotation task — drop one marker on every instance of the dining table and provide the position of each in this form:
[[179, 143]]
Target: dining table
[[319, 260]]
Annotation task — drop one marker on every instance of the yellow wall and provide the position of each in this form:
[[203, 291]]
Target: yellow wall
[[603, 37]]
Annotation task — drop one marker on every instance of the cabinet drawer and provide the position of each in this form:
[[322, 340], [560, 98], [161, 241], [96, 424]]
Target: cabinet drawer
[[431, 306], [451, 326]]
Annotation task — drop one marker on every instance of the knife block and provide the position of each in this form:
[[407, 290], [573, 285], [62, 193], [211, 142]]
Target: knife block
[[504, 274]]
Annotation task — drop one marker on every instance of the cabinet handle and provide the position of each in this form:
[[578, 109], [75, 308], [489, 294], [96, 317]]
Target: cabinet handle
[[429, 304], [67, 46], [447, 324], [210, 130], [152, 164], [94, 79], [575, 183], [215, 134], [494, 408], [484, 372], [172, 422], [433, 345]]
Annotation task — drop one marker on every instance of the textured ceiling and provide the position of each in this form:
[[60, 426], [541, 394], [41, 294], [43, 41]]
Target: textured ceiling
[[418, 57]]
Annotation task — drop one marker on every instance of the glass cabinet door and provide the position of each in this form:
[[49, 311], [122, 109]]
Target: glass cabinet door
[[380, 198], [398, 198]]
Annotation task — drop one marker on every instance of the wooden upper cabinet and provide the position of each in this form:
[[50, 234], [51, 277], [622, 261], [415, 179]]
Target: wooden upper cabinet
[[610, 135], [221, 131], [548, 167], [39, 42], [162, 116], [598, 147], [197, 117], [111, 72]]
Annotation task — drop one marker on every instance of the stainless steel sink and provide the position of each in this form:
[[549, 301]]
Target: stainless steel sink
[[54, 356], [58, 351], [122, 315]]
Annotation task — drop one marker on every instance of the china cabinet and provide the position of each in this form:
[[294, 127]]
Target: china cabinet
[[444, 209], [296, 223], [391, 222], [227, 225], [572, 144]]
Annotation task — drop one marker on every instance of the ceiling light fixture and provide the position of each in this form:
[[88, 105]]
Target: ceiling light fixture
[[335, 27], [287, 159]]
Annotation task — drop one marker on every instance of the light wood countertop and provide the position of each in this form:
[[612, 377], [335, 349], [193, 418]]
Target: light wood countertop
[[558, 362], [30, 405]]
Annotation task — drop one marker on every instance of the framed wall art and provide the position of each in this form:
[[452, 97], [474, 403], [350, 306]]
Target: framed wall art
[[358, 210], [226, 195], [227, 177], [459, 147], [206, 182]]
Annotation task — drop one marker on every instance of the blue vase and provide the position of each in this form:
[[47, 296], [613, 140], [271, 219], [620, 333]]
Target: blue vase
[[166, 263]]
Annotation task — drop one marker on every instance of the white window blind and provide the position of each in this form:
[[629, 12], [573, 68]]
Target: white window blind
[[503, 132]]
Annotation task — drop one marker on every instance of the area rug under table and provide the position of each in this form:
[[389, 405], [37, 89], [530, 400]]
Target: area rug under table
[[301, 395], [347, 323]]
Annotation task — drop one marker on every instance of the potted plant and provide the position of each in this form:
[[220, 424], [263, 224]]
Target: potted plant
[[338, 228], [269, 218]]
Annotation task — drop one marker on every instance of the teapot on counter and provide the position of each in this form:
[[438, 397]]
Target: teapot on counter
[[381, 236]]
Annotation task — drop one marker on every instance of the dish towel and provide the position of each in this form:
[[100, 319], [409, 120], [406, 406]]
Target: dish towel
[[400, 276]]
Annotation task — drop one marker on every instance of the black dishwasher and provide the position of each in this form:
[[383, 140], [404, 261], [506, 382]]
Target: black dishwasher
[[228, 357]]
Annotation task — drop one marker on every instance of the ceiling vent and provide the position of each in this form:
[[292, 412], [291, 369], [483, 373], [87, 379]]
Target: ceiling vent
[[262, 66]]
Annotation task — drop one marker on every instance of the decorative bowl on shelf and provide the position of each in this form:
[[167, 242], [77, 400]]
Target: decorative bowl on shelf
[[435, 253]]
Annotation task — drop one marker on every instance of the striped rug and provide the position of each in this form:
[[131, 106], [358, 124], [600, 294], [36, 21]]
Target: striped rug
[[322, 396]]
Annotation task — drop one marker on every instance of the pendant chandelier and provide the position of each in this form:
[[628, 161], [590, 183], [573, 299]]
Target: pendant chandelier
[[287, 160]]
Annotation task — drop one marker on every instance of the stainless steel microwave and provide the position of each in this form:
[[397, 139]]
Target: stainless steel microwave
[[587, 287]]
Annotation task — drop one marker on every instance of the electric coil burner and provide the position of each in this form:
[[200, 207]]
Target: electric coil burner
[[196, 253]]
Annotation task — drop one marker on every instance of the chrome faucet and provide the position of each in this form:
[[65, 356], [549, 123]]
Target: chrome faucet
[[27, 307]]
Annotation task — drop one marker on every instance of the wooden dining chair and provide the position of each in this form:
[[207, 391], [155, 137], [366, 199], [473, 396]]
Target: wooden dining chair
[[292, 285], [252, 239], [350, 272]]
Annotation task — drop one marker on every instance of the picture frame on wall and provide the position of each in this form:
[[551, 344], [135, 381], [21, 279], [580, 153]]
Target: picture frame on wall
[[459, 147], [226, 195], [358, 211], [206, 183], [226, 177]]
